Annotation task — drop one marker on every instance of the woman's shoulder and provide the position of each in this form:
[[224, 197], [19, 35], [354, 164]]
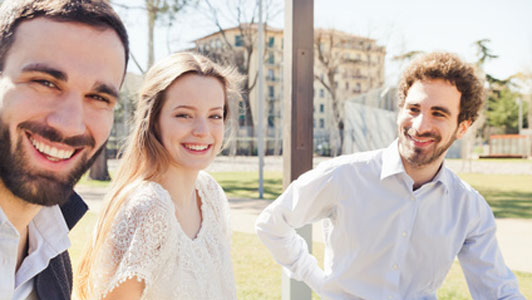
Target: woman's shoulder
[[206, 179], [210, 189], [207, 183], [147, 197]]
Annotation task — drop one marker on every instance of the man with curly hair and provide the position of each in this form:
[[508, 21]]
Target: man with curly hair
[[395, 219], [62, 63]]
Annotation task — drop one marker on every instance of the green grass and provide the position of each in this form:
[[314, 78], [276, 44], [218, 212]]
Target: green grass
[[86, 181], [510, 196], [257, 276], [246, 184], [499, 160]]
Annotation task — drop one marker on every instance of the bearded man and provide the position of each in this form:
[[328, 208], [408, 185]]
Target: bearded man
[[395, 219], [61, 66]]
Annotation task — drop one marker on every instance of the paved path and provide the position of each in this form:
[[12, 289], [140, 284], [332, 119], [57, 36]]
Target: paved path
[[514, 235]]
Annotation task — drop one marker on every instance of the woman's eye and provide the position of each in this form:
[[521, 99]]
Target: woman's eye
[[184, 116], [217, 117]]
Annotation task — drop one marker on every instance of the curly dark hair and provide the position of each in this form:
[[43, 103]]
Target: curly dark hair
[[446, 66]]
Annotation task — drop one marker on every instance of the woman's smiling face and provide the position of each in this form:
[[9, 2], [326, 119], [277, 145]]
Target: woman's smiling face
[[191, 123]]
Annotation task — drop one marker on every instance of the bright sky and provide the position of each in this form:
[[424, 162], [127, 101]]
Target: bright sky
[[401, 26]]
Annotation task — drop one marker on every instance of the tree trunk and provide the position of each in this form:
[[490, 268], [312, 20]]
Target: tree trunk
[[98, 170]]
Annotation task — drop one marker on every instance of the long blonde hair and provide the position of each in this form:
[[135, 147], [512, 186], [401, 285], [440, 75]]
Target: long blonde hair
[[144, 156]]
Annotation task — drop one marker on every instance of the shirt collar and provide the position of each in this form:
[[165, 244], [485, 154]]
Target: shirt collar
[[392, 164], [3, 217], [51, 226], [443, 176], [391, 161]]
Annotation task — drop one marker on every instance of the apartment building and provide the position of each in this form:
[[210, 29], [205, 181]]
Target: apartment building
[[345, 66]]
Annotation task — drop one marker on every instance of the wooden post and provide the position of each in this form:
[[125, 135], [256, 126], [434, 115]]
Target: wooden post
[[298, 110]]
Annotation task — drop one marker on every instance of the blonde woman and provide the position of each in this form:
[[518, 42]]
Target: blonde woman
[[164, 233]]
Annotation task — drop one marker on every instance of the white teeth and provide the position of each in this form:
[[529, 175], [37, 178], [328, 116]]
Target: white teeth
[[52, 153], [419, 141], [196, 147]]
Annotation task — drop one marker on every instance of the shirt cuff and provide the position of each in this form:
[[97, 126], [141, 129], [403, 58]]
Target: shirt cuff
[[315, 280]]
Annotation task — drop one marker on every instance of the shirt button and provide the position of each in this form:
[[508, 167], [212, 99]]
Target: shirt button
[[403, 234], [395, 267]]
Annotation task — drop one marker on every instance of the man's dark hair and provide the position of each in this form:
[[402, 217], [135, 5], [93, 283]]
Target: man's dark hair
[[448, 67], [95, 13]]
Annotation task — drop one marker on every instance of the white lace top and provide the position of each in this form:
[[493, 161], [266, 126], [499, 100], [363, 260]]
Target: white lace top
[[147, 242]]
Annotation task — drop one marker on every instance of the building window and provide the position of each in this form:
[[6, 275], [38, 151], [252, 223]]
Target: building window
[[271, 121], [271, 41], [271, 75], [322, 108], [239, 41], [271, 91], [242, 113], [358, 88], [271, 107], [271, 58], [322, 93], [271, 113], [322, 123]]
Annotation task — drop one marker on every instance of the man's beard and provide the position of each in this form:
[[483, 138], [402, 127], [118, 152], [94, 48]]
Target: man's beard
[[39, 187], [417, 158]]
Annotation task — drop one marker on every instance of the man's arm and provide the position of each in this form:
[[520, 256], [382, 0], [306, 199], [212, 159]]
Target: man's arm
[[308, 199], [482, 262]]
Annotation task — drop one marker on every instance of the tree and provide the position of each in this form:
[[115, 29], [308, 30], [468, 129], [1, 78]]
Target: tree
[[503, 111], [333, 61], [484, 53], [98, 170], [163, 11], [243, 17], [157, 10]]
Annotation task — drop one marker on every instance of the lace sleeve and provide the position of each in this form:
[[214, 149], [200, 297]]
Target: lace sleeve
[[135, 247]]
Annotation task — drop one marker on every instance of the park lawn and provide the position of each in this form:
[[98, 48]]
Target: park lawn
[[259, 277], [499, 160], [510, 196], [86, 181], [246, 184]]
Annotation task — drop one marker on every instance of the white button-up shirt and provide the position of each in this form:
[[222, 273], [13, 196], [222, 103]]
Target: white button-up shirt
[[383, 240], [47, 237]]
